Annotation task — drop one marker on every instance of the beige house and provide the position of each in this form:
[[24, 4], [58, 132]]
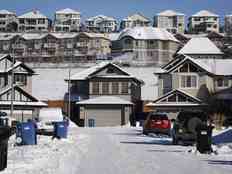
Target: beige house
[[67, 20], [146, 45], [33, 21], [203, 21], [188, 83], [8, 21], [170, 20], [135, 20]]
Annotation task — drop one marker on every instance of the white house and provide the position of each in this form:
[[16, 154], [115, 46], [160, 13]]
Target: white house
[[203, 21], [8, 21], [170, 20], [67, 20], [33, 21]]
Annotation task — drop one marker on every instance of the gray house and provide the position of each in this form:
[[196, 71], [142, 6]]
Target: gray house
[[108, 80]]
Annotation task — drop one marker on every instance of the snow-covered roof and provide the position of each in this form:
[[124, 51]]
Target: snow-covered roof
[[200, 45], [107, 100], [96, 35], [31, 36], [23, 104], [113, 36], [204, 13], [101, 17], [7, 36], [136, 17], [50, 114], [6, 12], [64, 35], [33, 15], [67, 11], [147, 33], [170, 13]]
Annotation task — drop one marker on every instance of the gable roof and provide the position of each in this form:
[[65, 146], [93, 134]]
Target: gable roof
[[170, 13], [6, 12], [33, 15], [135, 17], [67, 11], [218, 67], [200, 45], [204, 13], [92, 72], [189, 99], [105, 100]]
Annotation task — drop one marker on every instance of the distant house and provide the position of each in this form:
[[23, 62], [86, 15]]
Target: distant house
[[228, 25], [202, 22], [8, 21], [33, 21], [102, 24], [135, 20], [171, 21], [105, 86], [25, 105], [147, 45], [67, 20]]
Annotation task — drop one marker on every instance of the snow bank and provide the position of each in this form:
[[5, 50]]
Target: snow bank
[[222, 137], [49, 156]]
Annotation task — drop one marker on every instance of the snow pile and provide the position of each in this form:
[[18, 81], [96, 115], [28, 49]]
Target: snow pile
[[222, 137], [49, 156]]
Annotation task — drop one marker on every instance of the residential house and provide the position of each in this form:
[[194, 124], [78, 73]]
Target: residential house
[[8, 21], [186, 83], [24, 104], [102, 24], [203, 21], [135, 20], [201, 47], [171, 20], [67, 20], [104, 94], [33, 21], [146, 45], [55, 47], [228, 25]]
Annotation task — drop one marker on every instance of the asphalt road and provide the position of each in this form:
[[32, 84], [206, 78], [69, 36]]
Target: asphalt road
[[127, 151]]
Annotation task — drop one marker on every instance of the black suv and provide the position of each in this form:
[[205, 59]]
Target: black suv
[[184, 127]]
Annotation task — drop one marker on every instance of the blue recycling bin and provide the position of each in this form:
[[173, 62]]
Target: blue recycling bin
[[60, 129], [26, 133]]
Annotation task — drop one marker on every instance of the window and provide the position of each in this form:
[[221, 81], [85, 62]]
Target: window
[[20, 79], [124, 89], [188, 81], [105, 88], [165, 45], [128, 41], [222, 83], [41, 21], [115, 88], [95, 88]]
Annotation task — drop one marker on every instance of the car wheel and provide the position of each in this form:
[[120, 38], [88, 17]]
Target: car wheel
[[145, 132], [193, 123]]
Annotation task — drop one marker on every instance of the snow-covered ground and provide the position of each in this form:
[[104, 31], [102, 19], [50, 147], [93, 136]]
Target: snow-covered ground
[[50, 84], [112, 150]]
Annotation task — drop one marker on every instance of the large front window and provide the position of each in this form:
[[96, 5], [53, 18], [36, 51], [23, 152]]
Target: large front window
[[188, 81]]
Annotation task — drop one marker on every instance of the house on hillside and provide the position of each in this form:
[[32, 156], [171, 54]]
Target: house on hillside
[[25, 105], [147, 45], [104, 91]]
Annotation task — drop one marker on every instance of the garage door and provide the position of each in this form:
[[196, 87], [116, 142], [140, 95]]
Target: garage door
[[104, 117]]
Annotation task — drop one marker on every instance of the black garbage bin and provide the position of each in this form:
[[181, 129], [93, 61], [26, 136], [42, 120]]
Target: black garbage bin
[[204, 138], [4, 136]]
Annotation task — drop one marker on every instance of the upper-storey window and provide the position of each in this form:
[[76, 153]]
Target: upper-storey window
[[125, 87], [222, 83], [95, 87], [188, 81], [105, 88], [115, 88], [21, 79]]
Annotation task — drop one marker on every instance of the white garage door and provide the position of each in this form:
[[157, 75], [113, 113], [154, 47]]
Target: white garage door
[[104, 117]]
